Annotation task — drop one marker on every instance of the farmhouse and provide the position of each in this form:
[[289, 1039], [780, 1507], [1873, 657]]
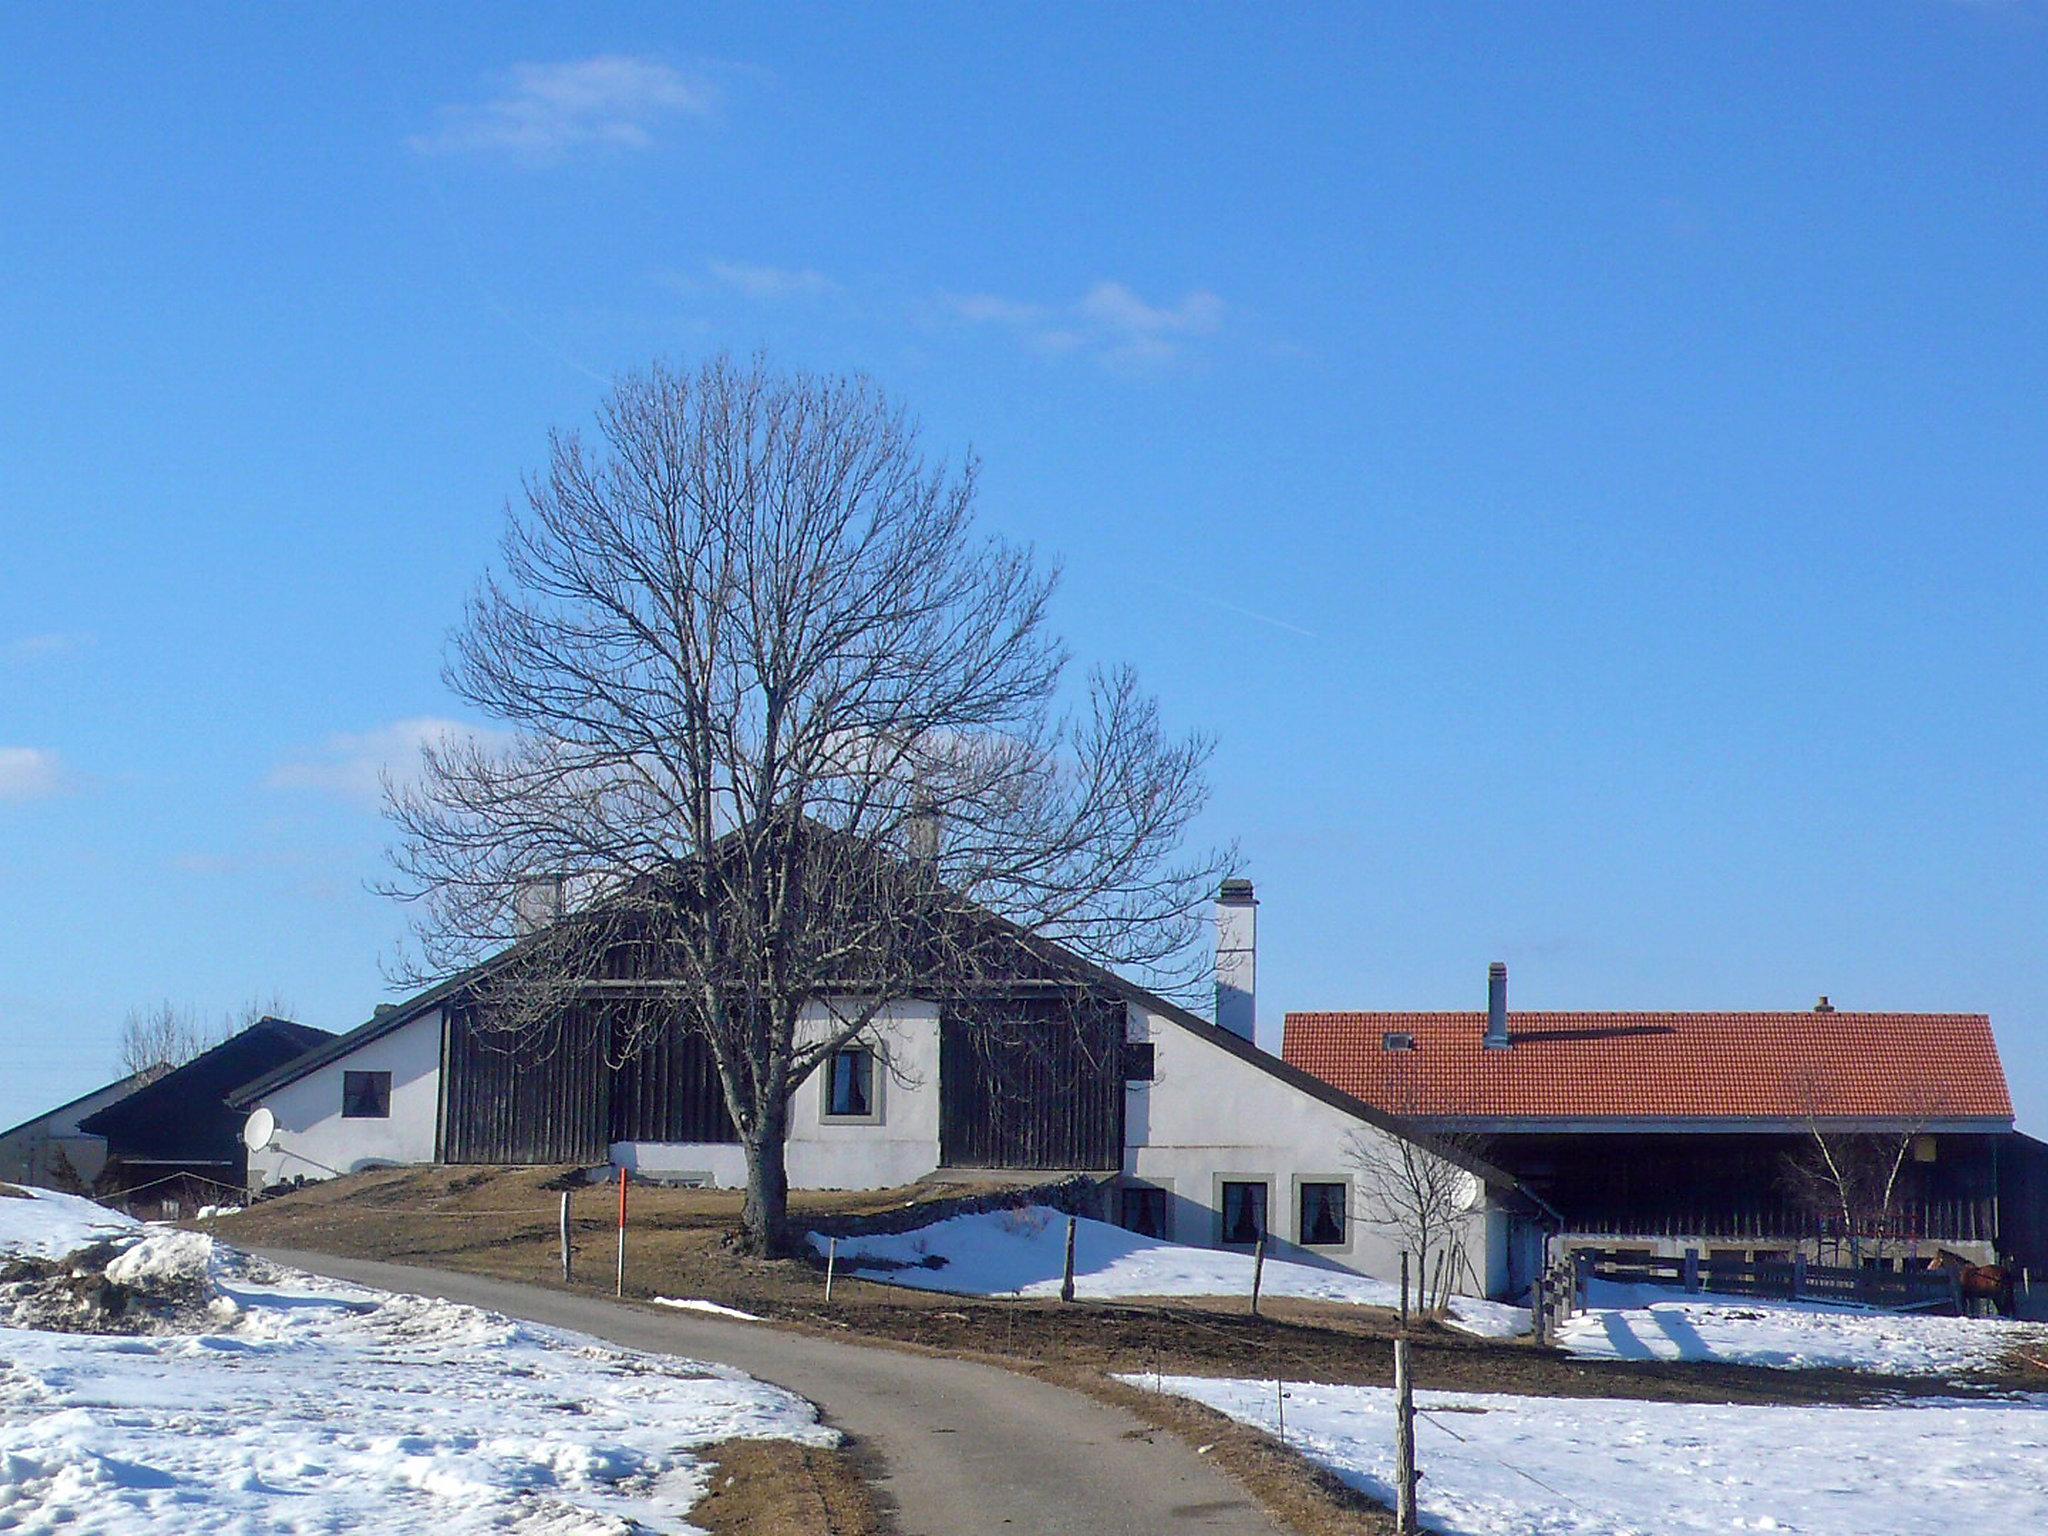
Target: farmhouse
[[1197, 1134], [1669, 1130]]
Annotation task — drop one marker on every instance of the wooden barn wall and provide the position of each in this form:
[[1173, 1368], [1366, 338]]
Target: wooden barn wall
[[669, 1091], [538, 1102], [1032, 1083]]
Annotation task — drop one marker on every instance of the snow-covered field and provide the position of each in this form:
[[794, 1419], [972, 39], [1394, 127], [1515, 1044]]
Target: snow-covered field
[[44, 1224], [1023, 1253], [1541, 1466], [1654, 1323], [303, 1405]]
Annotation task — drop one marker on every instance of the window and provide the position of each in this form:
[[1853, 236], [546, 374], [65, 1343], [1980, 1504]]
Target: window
[[1323, 1207], [366, 1095], [1144, 1211], [1137, 1061], [1244, 1212], [850, 1089], [1397, 1040]]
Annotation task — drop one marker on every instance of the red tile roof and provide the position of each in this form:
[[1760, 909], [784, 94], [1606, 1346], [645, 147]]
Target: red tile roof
[[1920, 1066]]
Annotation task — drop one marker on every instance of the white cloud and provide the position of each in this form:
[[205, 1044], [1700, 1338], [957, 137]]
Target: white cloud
[[37, 647], [1110, 322], [545, 112], [351, 764], [772, 282], [29, 773]]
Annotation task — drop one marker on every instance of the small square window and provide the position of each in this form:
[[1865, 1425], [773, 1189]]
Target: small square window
[[850, 1093], [1397, 1040], [366, 1095], [1323, 1207], [1244, 1212], [1137, 1061], [1144, 1211]]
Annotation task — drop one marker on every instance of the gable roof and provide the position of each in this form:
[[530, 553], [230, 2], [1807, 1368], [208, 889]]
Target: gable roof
[[1917, 1067], [184, 1113]]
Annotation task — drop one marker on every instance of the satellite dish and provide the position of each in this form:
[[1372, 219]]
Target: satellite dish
[[1471, 1190], [259, 1130]]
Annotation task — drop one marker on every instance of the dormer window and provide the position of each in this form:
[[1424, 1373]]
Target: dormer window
[[1397, 1040]]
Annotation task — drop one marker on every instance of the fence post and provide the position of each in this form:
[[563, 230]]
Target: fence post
[[1692, 1269], [619, 1283], [831, 1263], [1067, 1277], [1798, 1273], [1404, 1290], [565, 1237], [1258, 1271], [1404, 1441]]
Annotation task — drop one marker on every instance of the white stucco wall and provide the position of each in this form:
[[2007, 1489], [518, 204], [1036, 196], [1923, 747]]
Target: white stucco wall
[[315, 1142], [1208, 1116], [37, 1151], [897, 1145]]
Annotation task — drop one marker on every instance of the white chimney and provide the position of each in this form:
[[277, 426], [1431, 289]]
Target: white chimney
[[1237, 958]]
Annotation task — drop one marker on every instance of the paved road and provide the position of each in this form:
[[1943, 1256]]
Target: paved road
[[956, 1448]]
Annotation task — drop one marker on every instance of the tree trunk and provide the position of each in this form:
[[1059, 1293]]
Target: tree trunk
[[764, 1220]]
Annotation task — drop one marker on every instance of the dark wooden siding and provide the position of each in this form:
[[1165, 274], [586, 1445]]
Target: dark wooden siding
[[559, 1100], [541, 1101], [1032, 1083], [668, 1091]]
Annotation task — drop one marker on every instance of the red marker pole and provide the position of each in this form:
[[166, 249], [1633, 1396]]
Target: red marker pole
[[619, 1287]]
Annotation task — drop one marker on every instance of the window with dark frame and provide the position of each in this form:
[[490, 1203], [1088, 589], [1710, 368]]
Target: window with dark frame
[[1323, 1207], [366, 1095], [1144, 1211], [1244, 1212], [1137, 1061], [853, 1083]]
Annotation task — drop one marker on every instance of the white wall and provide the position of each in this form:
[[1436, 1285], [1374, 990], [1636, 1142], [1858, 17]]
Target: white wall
[[1208, 1115], [314, 1141], [34, 1153], [897, 1145]]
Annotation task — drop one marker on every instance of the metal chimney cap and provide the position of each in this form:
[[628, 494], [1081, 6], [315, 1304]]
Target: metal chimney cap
[[1236, 893], [1497, 968], [1823, 1006]]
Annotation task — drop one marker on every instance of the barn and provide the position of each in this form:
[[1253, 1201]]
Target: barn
[[1196, 1134]]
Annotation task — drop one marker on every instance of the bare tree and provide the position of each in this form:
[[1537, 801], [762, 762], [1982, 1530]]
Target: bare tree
[[159, 1038], [1423, 1199], [1852, 1176], [785, 733]]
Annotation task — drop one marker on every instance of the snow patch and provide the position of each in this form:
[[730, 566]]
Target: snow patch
[[1545, 1466], [47, 1225], [1628, 1322], [1022, 1252], [692, 1304]]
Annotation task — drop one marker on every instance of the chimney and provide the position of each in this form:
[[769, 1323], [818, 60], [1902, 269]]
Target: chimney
[[1497, 1007], [1237, 954], [1823, 1006]]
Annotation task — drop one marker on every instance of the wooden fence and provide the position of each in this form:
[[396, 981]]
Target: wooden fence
[[1793, 1279]]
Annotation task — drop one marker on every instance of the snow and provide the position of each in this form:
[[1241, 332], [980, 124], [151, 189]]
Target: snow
[[304, 1405], [1656, 1323], [694, 1304], [48, 1225], [1022, 1252], [1539, 1466]]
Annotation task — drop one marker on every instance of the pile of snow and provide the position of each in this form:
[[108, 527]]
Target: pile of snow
[[1022, 1252], [1545, 1466], [293, 1404], [1654, 1323], [43, 1224]]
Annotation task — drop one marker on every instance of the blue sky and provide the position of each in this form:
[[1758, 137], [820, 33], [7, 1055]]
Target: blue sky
[[1585, 465]]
